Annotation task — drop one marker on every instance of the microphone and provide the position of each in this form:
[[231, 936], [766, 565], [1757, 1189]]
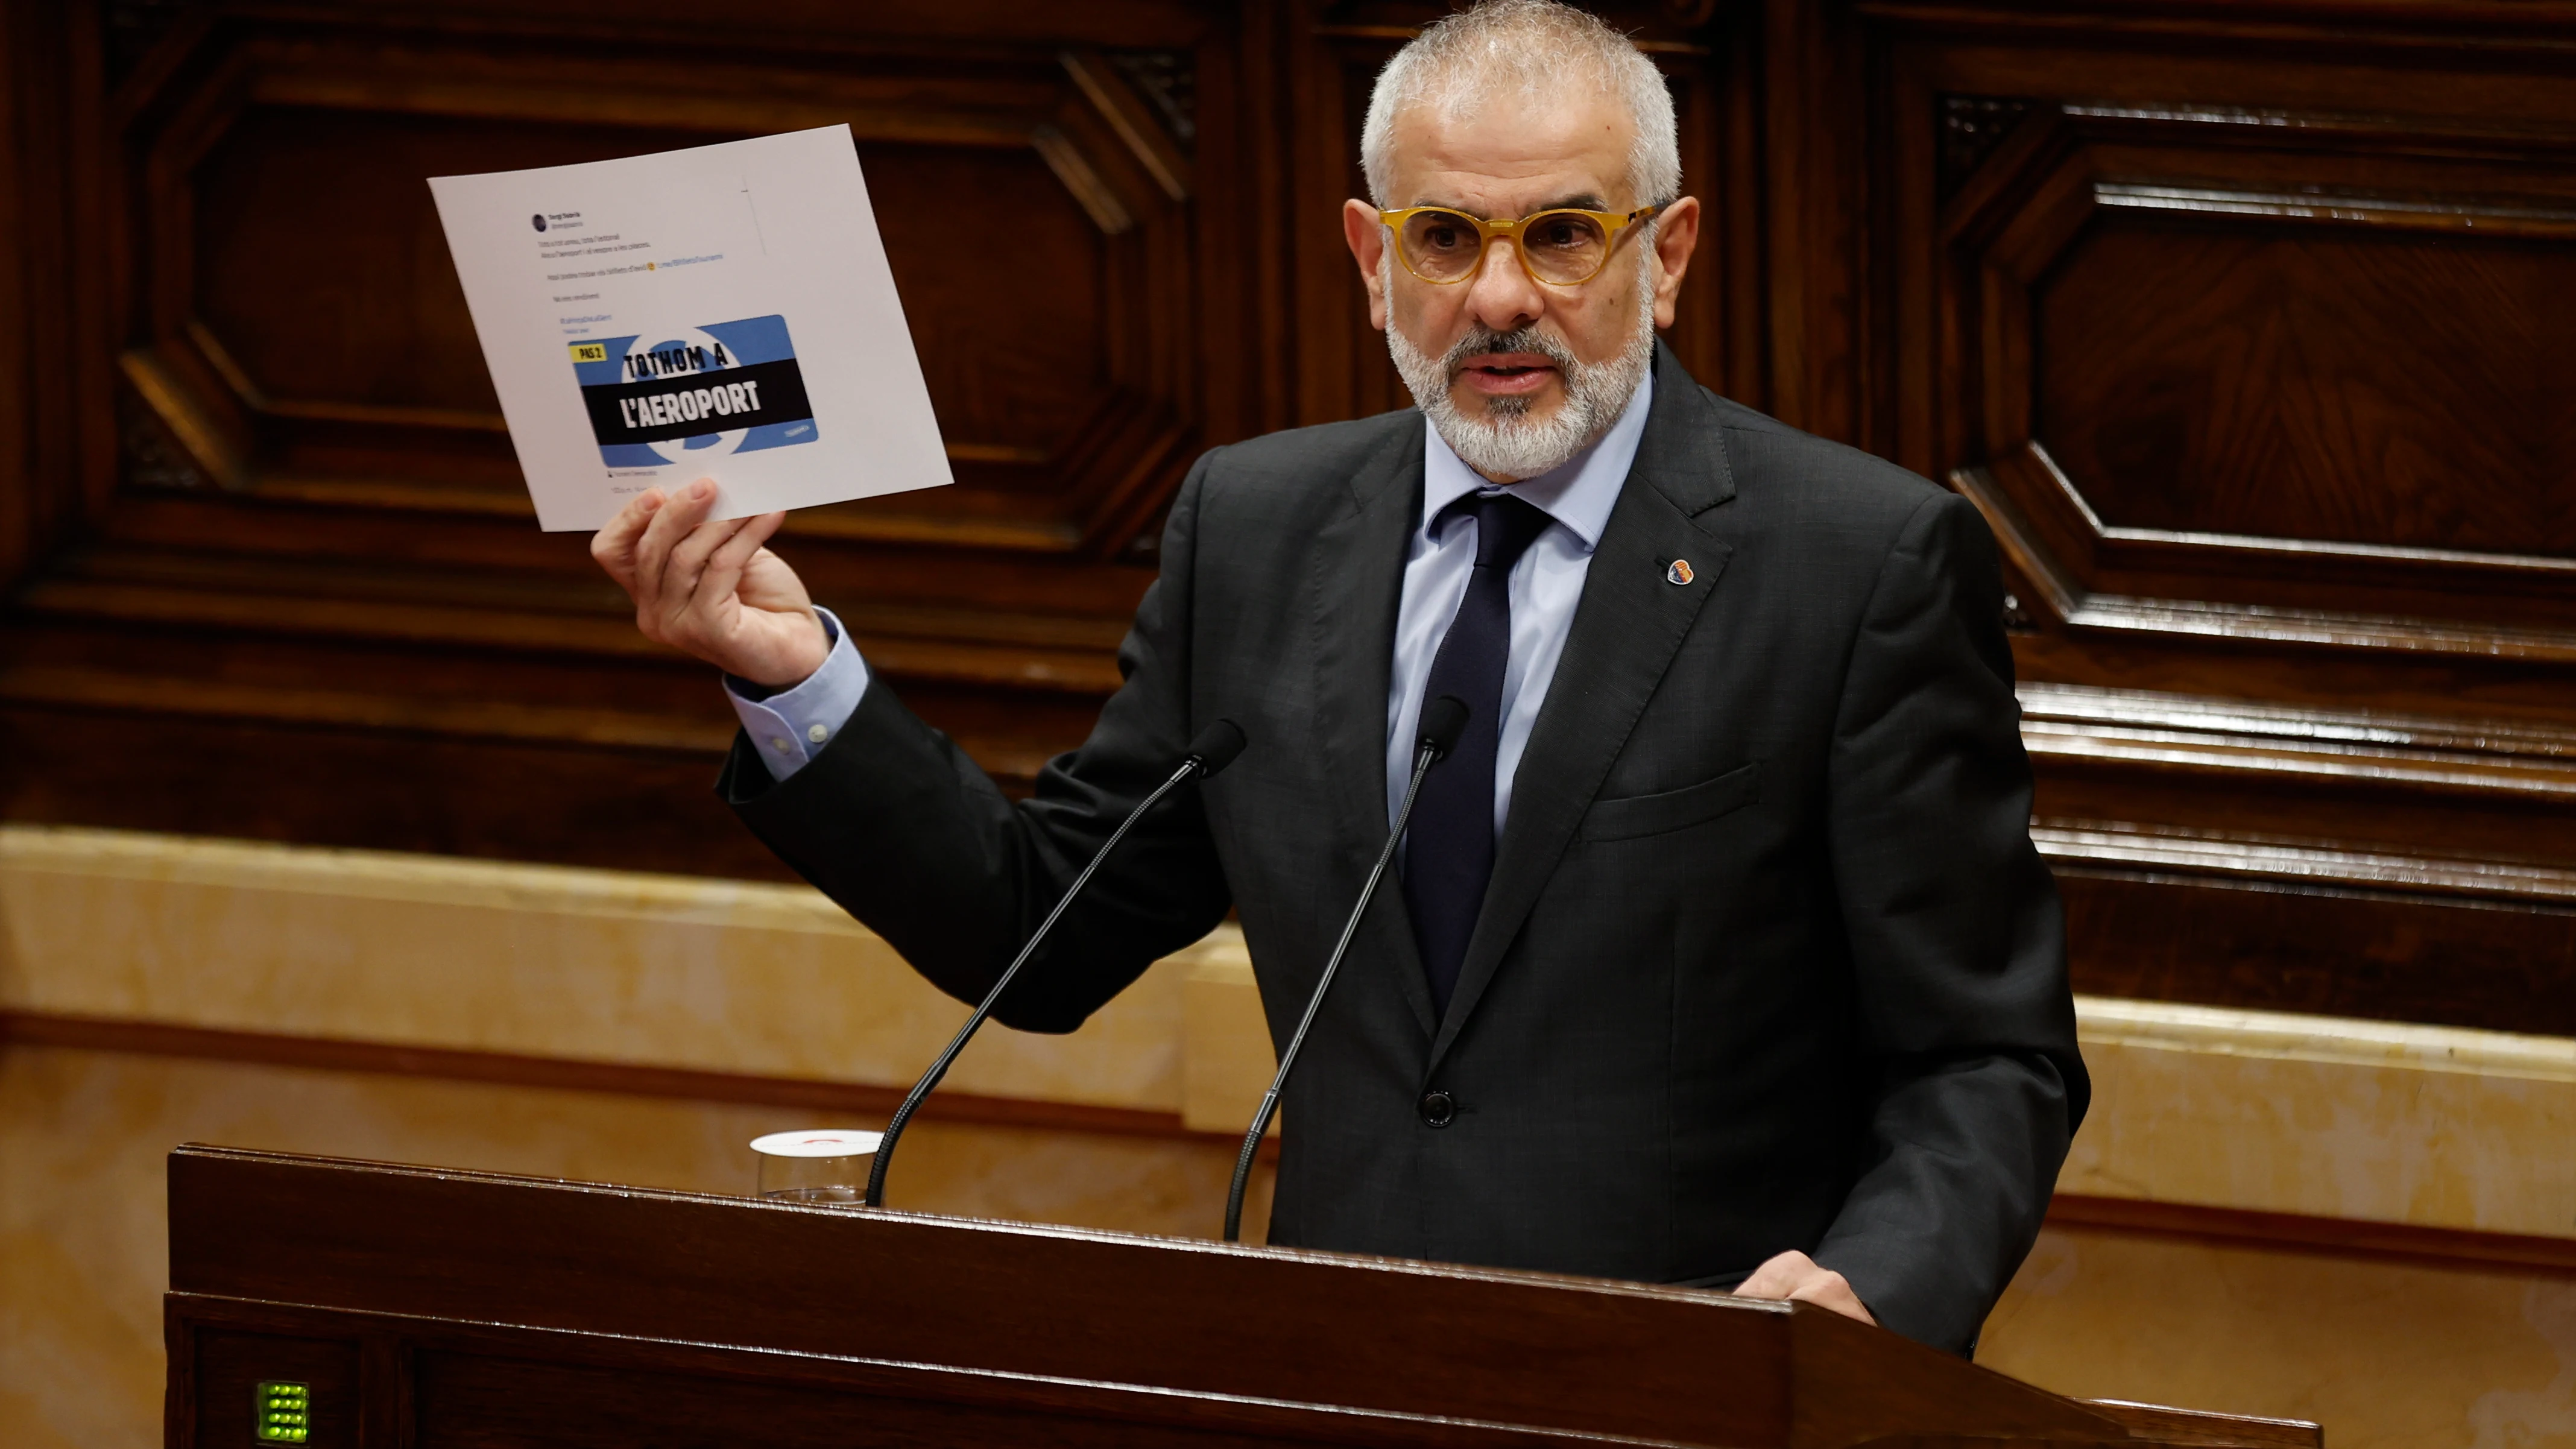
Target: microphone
[[1213, 750], [1443, 721]]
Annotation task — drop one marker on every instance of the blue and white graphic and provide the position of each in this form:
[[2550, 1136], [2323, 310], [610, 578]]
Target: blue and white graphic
[[651, 396]]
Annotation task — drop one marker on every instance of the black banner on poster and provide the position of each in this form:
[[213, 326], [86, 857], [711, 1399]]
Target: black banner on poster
[[697, 404]]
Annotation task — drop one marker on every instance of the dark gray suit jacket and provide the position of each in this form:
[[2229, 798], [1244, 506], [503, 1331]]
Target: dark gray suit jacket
[[1768, 960]]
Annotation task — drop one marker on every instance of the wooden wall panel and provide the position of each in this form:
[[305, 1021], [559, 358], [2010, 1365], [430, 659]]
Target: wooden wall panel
[[2239, 325], [310, 602], [2207, 371], [2241, 322], [53, 417]]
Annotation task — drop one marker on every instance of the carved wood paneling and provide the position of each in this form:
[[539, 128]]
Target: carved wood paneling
[[304, 598], [302, 595], [2236, 327], [2297, 376], [2242, 325], [2426, 364], [1031, 207]]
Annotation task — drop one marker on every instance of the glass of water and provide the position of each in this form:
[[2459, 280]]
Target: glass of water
[[826, 1166]]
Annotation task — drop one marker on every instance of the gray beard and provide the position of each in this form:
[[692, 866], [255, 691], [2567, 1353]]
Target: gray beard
[[1505, 441]]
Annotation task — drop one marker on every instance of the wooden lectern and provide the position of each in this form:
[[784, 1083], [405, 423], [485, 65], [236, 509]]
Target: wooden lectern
[[364, 1306]]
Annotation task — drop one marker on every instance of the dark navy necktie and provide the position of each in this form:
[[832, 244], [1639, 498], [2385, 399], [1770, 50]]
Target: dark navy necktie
[[1449, 846]]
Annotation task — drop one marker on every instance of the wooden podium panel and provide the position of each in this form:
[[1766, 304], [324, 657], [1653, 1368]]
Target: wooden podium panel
[[430, 1309]]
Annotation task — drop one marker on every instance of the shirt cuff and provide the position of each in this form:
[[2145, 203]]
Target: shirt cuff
[[791, 726]]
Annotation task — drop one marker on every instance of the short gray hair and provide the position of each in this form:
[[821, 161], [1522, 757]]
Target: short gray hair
[[1532, 48]]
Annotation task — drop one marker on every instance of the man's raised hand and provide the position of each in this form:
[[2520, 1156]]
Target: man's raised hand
[[711, 588]]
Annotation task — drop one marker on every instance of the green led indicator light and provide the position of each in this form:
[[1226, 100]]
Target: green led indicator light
[[282, 1413]]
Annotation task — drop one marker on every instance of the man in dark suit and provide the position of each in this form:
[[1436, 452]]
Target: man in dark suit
[[1722, 954]]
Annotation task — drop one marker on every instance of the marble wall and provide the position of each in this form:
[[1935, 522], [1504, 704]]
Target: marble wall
[[2423, 1132]]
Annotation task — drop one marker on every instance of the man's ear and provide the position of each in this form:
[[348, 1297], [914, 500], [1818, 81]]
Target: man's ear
[[1676, 234], [1367, 238]]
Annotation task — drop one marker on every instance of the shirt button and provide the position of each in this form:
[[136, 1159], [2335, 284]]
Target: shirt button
[[1438, 1109], [817, 733], [782, 743]]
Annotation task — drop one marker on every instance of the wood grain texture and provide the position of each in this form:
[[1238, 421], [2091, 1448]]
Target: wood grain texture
[[2239, 322], [2220, 942], [311, 543], [2405, 391], [510, 1309], [2231, 324], [312, 554], [2178, 1426]]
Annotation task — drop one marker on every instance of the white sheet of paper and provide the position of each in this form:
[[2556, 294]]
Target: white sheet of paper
[[722, 312]]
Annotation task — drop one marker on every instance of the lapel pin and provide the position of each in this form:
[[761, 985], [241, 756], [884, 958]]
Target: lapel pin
[[1679, 572]]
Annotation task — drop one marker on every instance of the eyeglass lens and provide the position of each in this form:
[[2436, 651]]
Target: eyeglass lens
[[1563, 247]]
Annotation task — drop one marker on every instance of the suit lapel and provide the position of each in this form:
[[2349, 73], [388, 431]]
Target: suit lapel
[[1626, 629], [1357, 582]]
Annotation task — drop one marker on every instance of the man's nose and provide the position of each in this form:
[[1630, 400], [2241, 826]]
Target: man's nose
[[1502, 296]]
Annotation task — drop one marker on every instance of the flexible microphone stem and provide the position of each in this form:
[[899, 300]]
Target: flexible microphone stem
[[1442, 722], [1213, 750]]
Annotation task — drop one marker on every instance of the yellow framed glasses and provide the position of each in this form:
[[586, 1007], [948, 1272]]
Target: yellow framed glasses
[[1564, 247]]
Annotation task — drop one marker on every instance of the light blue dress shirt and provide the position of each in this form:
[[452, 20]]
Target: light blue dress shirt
[[793, 725], [1545, 586]]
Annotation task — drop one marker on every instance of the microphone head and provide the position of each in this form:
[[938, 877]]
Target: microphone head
[[1443, 721], [1216, 746]]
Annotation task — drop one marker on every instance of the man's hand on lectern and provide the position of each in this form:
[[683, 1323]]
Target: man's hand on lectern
[[711, 588], [1802, 1279]]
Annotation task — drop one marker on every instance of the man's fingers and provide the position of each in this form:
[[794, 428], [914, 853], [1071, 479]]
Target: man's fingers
[[685, 573], [1777, 1277], [1799, 1278], [685, 566], [1831, 1290], [672, 522], [722, 573], [613, 547]]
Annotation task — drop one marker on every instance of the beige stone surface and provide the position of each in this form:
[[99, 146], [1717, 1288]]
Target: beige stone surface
[[2247, 1110], [2386, 1354], [1227, 1059], [537, 960], [2431, 1126], [2375, 1121], [83, 1231]]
